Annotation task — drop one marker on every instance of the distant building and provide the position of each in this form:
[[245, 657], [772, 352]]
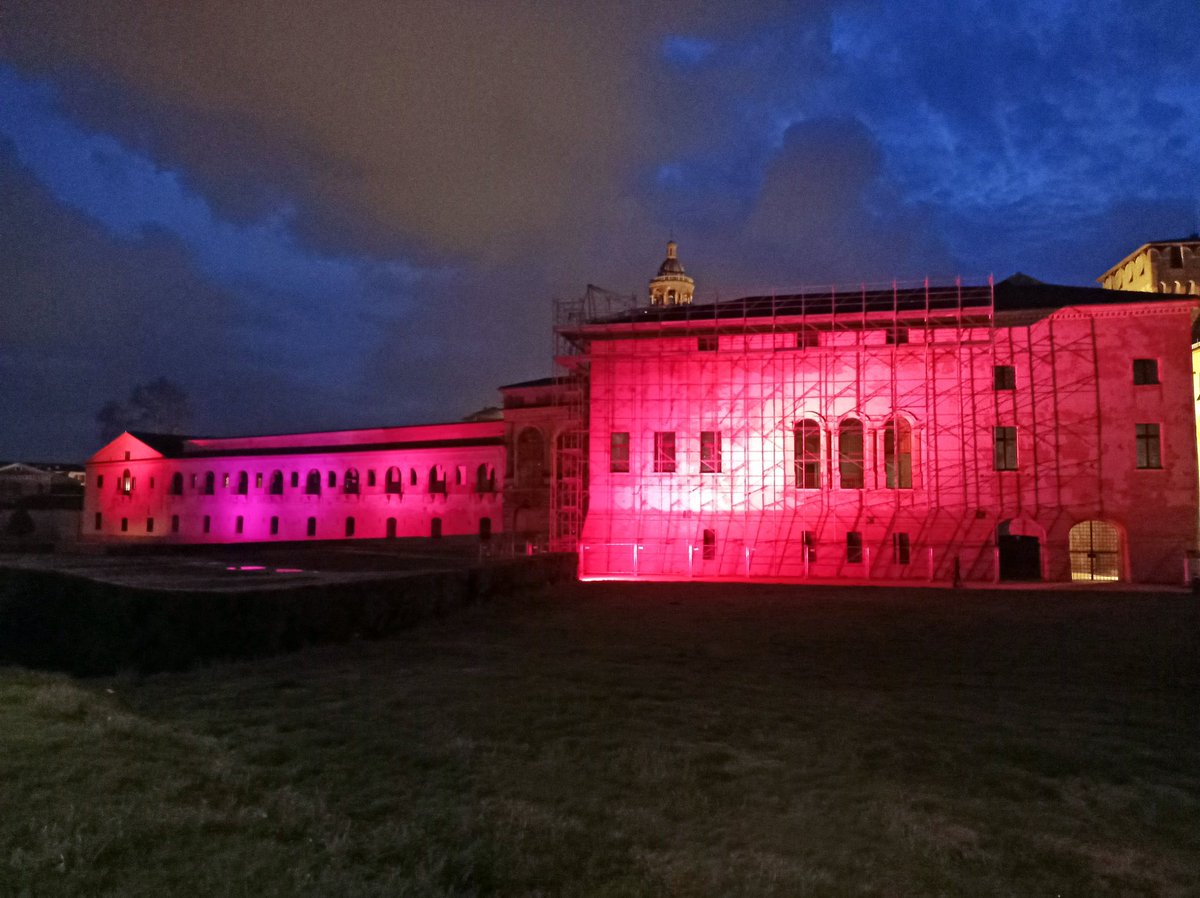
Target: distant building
[[428, 481], [40, 502], [1162, 266]]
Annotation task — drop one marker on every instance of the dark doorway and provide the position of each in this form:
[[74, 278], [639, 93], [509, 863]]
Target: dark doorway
[[391, 528], [1020, 557], [435, 528], [485, 529]]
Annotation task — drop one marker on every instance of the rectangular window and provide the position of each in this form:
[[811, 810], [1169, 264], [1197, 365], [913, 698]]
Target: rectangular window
[[1149, 449], [225, 481], [806, 338], [312, 526], [710, 452], [240, 524], [349, 526], [295, 479], [618, 452], [258, 481], [174, 523], [901, 550], [1145, 371], [1004, 444], [99, 520], [854, 553], [151, 483], [99, 481], [706, 344], [149, 525], [207, 524], [897, 335], [1004, 377], [371, 477], [708, 549], [664, 452], [274, 526], [124, 525], [332, 479]]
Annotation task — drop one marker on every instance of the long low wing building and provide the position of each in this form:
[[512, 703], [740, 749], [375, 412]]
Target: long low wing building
[[373, 483]]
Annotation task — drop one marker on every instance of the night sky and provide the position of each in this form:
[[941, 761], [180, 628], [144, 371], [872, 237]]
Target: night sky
[[321, 215]]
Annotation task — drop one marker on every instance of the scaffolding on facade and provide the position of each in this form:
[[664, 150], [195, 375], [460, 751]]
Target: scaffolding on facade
[[749, 370]]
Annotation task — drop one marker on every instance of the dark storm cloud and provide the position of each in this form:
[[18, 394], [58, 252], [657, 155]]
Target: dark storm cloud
[[373, 203]]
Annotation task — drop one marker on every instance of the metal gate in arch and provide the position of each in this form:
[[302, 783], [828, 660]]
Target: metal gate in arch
[[1095, 548]]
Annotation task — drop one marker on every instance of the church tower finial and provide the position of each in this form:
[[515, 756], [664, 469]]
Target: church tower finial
[[671, 286]]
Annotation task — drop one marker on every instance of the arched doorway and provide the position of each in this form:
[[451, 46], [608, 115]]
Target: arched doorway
[[1019, 545], [1095, 548]]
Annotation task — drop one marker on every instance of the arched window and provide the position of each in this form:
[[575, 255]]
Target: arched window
[[850, 454], [276, 486], [350, 482], [210, 483], [393, 482], [485, 479], [897, 454], [808, 455], [437, 479], [126, 483], [531, 458], [243, 483], [177, 484], [412, 477], [312, 484]]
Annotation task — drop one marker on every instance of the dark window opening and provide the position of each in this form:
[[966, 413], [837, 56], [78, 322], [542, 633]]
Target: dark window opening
[[174, 523], [207, 524], [412, 477], [295, 479], [276, 486], [435, 528], [664, 452], [900, 548], [350, 482], [708, 547], [850, 454], [808, 541], [1004, 377], [1149, 449], [1005, 448], [243, 483], [897, 454], [312, 484], [706, 344], [437, 479], [485, 529], [1176, 262], [149, 525], [99, 520], [618, 452], [807, 338], [371, 477], [854, 547], [274, 526], [99, 481], [391, 528], [485, 479], [807, 439], [176, 488], [239, 525], [312, 527], [393, 481], [124, 525], [349, 526], [210, 483], [332, 479], [126, 484], [710, 452], [1145, 372], [897, 335]]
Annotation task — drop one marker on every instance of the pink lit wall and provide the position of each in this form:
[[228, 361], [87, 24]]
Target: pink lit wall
[[136, 493], [1074, 406]]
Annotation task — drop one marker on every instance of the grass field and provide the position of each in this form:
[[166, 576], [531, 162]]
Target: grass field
[[609, 739]]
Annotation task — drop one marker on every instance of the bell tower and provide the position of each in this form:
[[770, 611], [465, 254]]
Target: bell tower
[[671, 286]]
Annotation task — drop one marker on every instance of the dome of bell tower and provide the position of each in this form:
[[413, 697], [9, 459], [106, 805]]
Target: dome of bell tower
[[671, 286]]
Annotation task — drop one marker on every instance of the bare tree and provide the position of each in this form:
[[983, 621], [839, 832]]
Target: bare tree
[[160, 406]]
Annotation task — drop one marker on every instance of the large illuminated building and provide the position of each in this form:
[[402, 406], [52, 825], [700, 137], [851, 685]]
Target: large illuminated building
[[980, 432]]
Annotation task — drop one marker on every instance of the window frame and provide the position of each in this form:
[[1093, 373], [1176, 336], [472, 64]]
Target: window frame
[[1005, 456], [1147, 446], [665, 456], [618, 452], [1004, 377], [1145, 373], [710, 452]]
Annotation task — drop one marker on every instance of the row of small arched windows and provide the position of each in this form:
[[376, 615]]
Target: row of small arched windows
[[314, 482]]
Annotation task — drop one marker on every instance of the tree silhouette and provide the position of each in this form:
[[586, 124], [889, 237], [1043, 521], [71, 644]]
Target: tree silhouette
[[160, 406]]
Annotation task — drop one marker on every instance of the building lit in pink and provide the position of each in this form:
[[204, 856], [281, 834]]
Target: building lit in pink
[[1021, 431]]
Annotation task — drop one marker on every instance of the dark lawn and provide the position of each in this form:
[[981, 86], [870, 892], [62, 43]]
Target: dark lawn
[[609, 739]]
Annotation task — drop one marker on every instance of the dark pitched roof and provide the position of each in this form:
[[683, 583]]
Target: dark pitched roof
[[169, 444], [540, 382]]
